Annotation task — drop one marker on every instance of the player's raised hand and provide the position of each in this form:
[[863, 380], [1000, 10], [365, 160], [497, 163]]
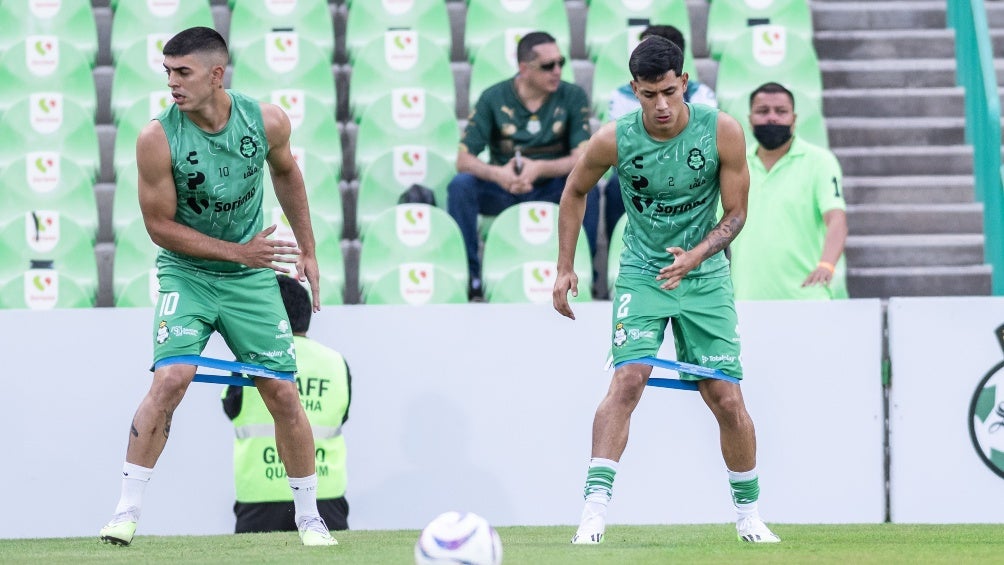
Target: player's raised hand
[[261, 251], [565, 282]]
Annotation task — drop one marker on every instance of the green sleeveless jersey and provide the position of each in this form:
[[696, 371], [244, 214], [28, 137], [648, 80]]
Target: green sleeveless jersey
[[670, 191], [218, 177]]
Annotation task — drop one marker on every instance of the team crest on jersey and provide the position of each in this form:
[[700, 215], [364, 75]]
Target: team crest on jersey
[[248, 147], [620, 336], [695, 160]]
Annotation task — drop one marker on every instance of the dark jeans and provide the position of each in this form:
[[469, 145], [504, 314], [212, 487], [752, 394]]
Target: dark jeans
[[468, 196], [613, 202]]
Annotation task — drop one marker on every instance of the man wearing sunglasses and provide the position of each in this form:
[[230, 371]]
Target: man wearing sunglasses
[[534, 126]]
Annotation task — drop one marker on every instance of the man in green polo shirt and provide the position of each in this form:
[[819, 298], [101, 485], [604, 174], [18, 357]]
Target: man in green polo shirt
[[793, 243]]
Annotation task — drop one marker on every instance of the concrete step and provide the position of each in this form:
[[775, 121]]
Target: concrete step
[[885, 282], [902, 219], [853, 132], [888, 73], [926, 189], [918, 160], [894, 102], [878, 15], [885, 43], [914, 250]]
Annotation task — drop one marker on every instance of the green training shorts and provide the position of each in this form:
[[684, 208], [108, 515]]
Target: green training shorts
[[703, 313], [245, 308]]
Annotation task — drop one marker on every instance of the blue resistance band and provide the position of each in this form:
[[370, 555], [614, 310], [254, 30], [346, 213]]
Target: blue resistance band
[[680, 367], [232, 366]]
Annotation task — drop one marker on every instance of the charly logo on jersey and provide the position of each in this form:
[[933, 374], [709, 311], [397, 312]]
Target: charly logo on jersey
[[155, 51], [769, 44], [196, 198], [538, 280], [41, 289], [695, 159], [410, 164], [400, 48], [280, 7], [397, 7], [536, 222], [413, 224], [511, 38], [516, 6], [407, 107], [44, 9], [41, 54], [986, 415], [42, 171], [282, 50], [292, 101], [41, 230], [45, 111], [416, 282]]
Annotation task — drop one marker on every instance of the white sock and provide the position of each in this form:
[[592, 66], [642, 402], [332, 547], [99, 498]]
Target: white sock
[[134, 481], [304, 496], [748, 510]]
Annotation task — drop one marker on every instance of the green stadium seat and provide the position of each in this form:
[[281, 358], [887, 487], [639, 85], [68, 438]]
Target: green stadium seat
[[614, 248], [125, 201], [496, 62], [728, 19], [134, 272], [135, 19], [130, 123], [528, 232], [45, 181], [309, 19], [139, 74], [46, 64], [281, 59], [48, 122], [44, 289], [406, 116], [323, 192], [605, 19], [393, 172], [46, 236], [531, 282], [411, 233], [416, 284], [142, 291], [330, 261], [485, 18], [313, 126], [70, 20], [399, 59], [810, 124], [370, 20]]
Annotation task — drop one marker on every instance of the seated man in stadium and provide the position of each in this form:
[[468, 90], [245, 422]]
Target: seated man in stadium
[[534, 125], [623, 100], [794, 236]]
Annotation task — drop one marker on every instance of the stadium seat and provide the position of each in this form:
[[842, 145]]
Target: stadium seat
[[138, 73], [393, 172], [313, 125], [614, 251], [134, 270], [528, 232], [48, 237], [281, 59], [70, 20], [486, 17], [44, 288], [135, 19], [370, 20], [531, 282], [412, 233], [399, 59], [45, 181], [125, 200], [810, 124], [416, 284], [728, 19], [46, 64], [768, 53], [328, 249], [48, 122], [310, 19], [605, 19], [496, 62], [130, 123], [406, 116], [323, 192]]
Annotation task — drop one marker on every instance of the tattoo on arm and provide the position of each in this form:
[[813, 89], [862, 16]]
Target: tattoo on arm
[[721, 236]]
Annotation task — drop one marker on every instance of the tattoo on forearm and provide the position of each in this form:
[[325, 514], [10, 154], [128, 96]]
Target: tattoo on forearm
[[722, 235]]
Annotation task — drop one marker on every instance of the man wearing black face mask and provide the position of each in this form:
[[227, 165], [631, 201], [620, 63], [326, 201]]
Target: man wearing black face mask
[[793, 242]]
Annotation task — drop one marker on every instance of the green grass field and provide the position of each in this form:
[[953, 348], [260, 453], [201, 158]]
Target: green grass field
[[634, 545]]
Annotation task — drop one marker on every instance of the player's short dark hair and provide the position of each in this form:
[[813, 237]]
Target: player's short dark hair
[[667, 31], [524, 49], [296, 299], [772, 88], [654, 57], [196, 40]]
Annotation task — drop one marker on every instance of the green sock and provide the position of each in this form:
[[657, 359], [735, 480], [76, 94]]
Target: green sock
[[745, 487], [600, 480]]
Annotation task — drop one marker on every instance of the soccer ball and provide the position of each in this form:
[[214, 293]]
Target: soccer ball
[[458, 537]]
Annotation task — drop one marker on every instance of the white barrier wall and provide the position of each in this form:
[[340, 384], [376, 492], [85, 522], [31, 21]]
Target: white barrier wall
[[480, 407], [942, 349]]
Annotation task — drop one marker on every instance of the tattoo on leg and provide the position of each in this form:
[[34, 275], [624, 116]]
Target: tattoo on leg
[[167, 425], [133, 430]]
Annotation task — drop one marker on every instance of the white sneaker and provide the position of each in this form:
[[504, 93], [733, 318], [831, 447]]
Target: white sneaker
[[591, 527], [752, 529], [120, 529], [314, 532]]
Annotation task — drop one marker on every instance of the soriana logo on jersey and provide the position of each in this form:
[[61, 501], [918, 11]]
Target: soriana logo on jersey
[[44, 9], [416, 282], [400, 49], [41, 230], [769, 45], [397, 7], [42, 171], [413, 224], [155, 51], [45, 111], [536, 222], [407, 107], [291, 100], [41, 289], [41, 54], [538, 280], [282, 51], [280, 7], [162, 8], [410, 164]]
